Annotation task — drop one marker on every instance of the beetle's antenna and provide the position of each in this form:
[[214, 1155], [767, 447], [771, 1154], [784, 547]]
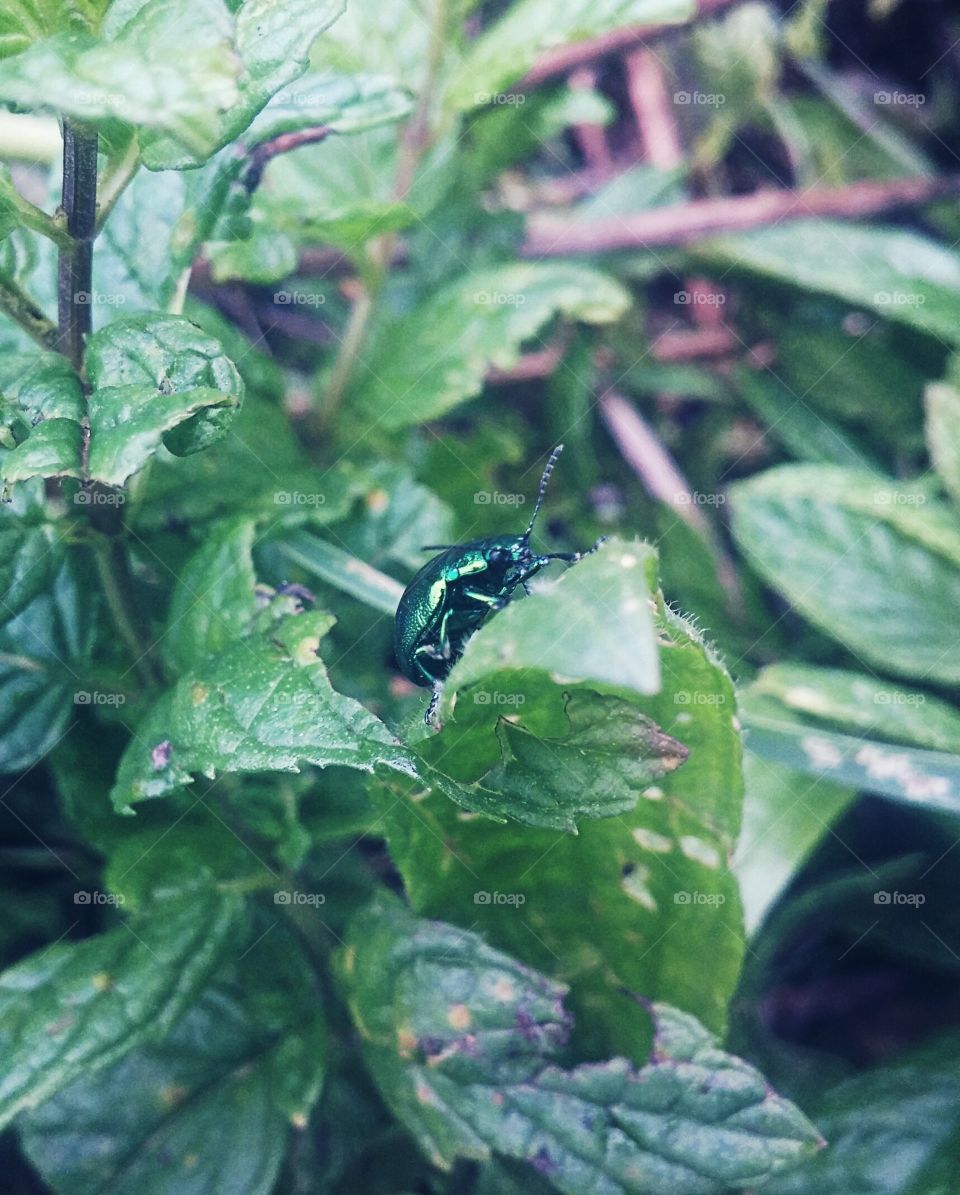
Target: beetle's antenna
[[544, 480]]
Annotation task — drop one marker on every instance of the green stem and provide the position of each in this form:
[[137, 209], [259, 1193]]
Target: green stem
[[347, 356], [115, 179], [18, 305], [414, 142], [110, 556]]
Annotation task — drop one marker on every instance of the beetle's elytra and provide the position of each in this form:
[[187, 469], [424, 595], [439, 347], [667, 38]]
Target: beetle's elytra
[[453, 593]]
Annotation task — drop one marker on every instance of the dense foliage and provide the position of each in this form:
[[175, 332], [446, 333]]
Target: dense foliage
[[662, 904]]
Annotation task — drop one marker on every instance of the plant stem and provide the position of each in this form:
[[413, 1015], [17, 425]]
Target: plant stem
[[18, 305], [414, 141], [75, 269], [74, 291], [111, 559], [347, 355], [115, 179]]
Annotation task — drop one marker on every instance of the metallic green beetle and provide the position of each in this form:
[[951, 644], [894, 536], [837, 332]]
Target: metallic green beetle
[[453, 593]]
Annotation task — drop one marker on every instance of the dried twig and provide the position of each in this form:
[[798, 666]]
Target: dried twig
[[550, 235], [653, 109], [645, 453], [568, 58]]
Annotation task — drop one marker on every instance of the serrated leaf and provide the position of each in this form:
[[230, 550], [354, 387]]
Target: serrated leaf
[[438, 356], [211, 1106], [901, 275], [654, 876], [873, 563], [155, 379], [264, 704], [271, 41], [505, 52], [459, 1039], [171, 65], [77, 1007]]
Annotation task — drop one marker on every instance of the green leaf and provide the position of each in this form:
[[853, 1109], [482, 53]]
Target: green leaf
[[943, 433], [264, 704], [156, 379], [901, 275], [857, 702], [893, 1130], [437, 356], [872, 563], [342, 570], [171, 66], [214, 600], [506, 51], [459, 1039], [43, 385], [805, 433], [927, 779], [49, 616], [272, 41], [77, 1007], [210, 1106], [664, 911], [785, 816]]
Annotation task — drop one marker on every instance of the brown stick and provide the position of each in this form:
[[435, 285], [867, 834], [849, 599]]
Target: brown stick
[[567, 58], [654, 110], [550, 235], [285, 143]]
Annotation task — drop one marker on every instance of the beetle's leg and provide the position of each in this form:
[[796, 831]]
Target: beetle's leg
[[487, 599]]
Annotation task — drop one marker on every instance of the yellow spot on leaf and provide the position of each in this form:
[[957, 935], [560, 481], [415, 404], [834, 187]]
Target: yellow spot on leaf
[[199, 693], [102, 981], [298, 1120], [377, 501], [406, 1041], [306, 650], [504, 991], [459, 1016]]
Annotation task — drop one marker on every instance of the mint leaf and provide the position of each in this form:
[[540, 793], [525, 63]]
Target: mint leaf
[[170, 65], [460, 1039], [847, 549], [271, 42], [901, 275], [49, 614], [652, 875], [436, 357], [263, 704], [77, 1007], [210, 1106], [214, 600], [155, 379]]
